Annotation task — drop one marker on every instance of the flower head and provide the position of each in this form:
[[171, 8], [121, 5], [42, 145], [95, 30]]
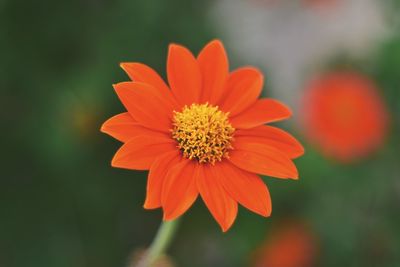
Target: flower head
[[203, 134], [344, 114]]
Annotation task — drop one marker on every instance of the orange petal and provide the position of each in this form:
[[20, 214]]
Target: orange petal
[[139, 72], [147, 105], [242, 90], [141, 151], [123, 128], [157, 174], [221, 205], [274, 137], [263, 111], [179, 189], [262, 159], [246, 188], [184, 75], [214, 68]]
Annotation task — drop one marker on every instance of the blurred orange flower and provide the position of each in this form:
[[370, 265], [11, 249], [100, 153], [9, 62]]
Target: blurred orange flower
[[344, 114], [202, 134], [290, 245]]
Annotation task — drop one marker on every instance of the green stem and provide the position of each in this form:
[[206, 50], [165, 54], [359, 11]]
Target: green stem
[[160, 243]]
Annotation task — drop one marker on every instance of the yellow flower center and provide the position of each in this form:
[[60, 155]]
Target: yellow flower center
[[203, 132]]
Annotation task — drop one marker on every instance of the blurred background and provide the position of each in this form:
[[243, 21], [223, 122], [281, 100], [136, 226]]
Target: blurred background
[[335, 62]]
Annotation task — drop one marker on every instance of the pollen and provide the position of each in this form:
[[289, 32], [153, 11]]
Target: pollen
[[203, 133]]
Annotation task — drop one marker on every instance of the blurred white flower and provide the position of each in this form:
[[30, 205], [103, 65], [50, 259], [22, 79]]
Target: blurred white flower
[[289, 38]]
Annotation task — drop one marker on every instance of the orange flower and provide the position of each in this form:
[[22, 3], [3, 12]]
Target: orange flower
[[344, 115], [203, 134], [290, 245]]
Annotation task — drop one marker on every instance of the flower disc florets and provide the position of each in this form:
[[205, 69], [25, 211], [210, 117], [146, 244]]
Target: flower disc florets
[[203, 132]]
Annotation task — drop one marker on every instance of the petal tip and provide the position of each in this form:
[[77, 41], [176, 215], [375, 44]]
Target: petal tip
[[289, 111], [266, 213], [227, 224], [225, 228], [178, 48], [125, 66], [173, 46], [294, 176], [148, 206], [121, 88], [103, 127], [300, 148], [216, 42], [114, 162], [116, 86]]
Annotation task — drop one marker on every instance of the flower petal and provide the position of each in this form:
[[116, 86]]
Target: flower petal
[[179, 189], [262, 159], [139, 72], [123, 128], [246, 188], [274, 137], [243, 88], [147, 105], [184, 75], [221, 205], [158, 172], [214, 67], [141, 151], [263, 111]]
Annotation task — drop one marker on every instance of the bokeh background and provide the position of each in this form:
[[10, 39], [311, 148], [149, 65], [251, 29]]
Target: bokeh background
[[62, 205]]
